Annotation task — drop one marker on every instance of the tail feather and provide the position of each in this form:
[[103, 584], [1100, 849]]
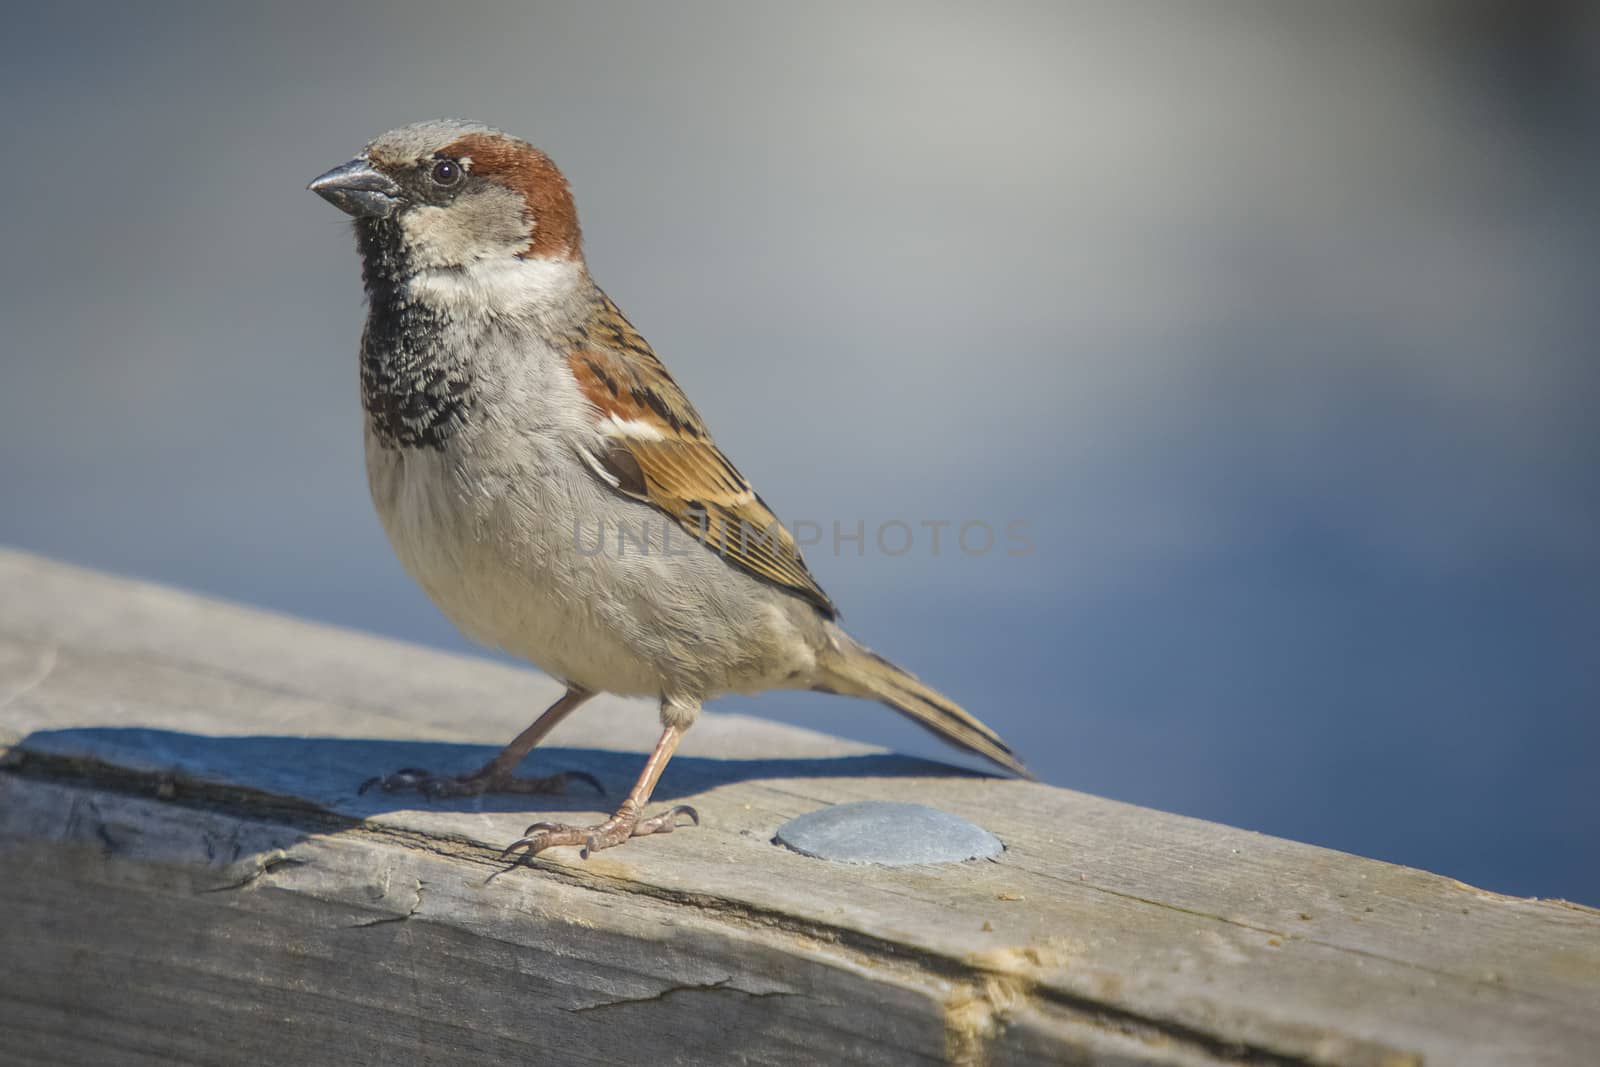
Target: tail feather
[[858, 671]]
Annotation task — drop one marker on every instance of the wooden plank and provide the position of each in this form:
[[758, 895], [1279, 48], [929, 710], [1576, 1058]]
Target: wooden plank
[[190, 869]]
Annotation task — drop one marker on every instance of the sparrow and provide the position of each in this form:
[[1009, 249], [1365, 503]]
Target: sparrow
[[543, 478]]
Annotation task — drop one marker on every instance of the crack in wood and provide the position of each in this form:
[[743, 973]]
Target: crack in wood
[[721, 985]]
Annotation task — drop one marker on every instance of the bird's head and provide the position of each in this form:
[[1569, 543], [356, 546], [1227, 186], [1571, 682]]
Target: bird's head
[[451, 197]]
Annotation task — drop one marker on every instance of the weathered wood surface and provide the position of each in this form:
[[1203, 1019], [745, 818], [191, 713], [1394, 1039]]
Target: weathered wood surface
[[188, 876]]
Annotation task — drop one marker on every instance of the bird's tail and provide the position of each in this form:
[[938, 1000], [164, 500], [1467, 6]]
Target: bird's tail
[[855, 670]]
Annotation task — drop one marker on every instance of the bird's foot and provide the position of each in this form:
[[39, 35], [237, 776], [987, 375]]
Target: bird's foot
[[479, 782], [614, 831]]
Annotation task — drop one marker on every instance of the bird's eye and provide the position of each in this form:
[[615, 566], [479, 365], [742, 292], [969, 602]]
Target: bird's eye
[[446, 172]]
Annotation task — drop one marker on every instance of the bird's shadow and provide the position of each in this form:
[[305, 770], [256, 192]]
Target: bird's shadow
[[327, 772]]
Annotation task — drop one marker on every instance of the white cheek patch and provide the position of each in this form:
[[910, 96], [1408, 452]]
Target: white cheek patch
[[487, 224], [428, 238]]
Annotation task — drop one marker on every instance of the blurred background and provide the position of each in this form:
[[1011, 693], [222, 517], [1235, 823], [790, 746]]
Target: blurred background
[[1275, 324]]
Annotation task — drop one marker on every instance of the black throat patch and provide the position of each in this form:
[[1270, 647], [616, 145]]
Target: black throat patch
[[417, 393]]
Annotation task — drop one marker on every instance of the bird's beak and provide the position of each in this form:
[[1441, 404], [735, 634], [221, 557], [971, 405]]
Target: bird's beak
[[358, 190]]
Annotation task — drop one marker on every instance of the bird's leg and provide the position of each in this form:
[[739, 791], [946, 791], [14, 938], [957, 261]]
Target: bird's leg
[[626, 822], [495, 776]]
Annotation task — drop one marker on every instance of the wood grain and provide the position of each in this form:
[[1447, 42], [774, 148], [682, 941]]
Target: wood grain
[[190, 877]]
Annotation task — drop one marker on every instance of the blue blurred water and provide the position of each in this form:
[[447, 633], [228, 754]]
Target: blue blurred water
[[1275, 325]]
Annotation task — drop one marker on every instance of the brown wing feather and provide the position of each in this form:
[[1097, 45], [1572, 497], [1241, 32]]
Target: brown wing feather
[[678, 468]]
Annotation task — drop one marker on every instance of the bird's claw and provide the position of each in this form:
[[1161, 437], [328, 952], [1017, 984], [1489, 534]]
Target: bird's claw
[[614, 831]]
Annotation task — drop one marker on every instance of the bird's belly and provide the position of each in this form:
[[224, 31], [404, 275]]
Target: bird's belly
[[527, 559]]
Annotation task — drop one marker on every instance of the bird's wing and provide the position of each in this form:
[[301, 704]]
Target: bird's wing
[[652, 445]]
